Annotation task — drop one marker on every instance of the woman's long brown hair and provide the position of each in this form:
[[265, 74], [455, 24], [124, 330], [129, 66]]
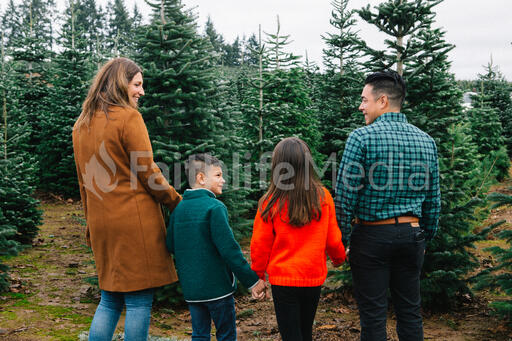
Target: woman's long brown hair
[[109, 88], [302, 192]]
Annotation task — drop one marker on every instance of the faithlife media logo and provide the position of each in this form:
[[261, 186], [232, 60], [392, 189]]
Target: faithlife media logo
[[96, 176]]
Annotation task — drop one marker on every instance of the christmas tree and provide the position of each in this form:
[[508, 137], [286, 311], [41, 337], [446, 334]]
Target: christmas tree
[[72, 71], [499, 278]]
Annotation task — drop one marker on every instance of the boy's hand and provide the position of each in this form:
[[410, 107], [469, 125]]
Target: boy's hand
[[258, 291]]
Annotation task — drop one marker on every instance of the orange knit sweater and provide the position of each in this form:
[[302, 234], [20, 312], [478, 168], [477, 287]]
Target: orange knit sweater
[[296, 256]]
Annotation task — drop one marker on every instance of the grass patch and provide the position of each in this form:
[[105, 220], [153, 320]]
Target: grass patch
[[245, 313], [10, 315], [71, 271], [162, 325], [491, 243], [450, 323]]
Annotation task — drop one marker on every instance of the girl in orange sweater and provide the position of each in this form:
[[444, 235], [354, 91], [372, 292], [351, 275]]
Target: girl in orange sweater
[[294, 227]]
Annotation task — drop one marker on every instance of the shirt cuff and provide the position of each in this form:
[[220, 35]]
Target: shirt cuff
[[252, 286]]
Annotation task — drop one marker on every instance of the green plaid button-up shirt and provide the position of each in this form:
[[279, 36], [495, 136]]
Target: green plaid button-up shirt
[[389, 169]]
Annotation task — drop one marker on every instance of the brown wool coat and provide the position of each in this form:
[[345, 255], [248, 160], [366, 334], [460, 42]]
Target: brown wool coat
[[125, 226]]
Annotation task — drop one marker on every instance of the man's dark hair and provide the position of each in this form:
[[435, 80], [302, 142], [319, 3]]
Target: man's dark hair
[[388, 83], [199, 163]]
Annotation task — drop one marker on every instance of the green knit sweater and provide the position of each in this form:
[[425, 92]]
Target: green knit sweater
[[206, 252]]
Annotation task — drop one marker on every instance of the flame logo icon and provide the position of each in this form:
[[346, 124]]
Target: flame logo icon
[[95, 173]]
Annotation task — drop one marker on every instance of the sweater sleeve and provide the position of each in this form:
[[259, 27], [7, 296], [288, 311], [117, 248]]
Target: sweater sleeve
[[335, 248], [136, 142], [261, 245], [228, 248]]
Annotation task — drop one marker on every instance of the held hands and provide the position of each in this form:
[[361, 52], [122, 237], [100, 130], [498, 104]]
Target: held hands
[[336, 265], [259, 291]]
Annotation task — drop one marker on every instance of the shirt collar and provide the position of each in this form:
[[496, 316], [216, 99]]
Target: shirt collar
[[200, 191], [392, 116]]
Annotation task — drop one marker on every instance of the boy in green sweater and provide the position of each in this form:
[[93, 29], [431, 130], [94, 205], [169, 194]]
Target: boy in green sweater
[[206, 253]]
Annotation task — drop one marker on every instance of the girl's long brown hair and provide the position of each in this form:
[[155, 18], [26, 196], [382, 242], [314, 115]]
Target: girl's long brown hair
[[109, 87], [302, 192]]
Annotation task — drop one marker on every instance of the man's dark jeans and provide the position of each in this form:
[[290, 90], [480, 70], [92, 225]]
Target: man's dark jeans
[[382, 257]]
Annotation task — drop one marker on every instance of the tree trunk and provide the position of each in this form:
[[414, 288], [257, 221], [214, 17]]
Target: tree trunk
[[399, 61], [400, 43]]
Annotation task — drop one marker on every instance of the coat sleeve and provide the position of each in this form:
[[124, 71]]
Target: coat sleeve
[[136, 142], [228, 248], [83, 193], [261, 245], [335, 248]]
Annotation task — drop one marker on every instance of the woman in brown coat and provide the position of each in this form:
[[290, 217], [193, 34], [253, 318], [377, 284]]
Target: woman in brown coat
[[121, 188]]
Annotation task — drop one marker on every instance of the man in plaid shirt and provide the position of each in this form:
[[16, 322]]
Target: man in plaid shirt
[[388, 192]]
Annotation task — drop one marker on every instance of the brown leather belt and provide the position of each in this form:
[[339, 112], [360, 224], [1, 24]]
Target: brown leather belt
[[397, 220]]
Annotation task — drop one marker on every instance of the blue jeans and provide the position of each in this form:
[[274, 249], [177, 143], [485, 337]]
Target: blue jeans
[[138, 313], [222, 312], [388, 257]]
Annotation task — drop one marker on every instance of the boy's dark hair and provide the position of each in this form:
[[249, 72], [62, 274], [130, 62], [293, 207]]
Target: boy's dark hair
[[388, 83], [198, 163]]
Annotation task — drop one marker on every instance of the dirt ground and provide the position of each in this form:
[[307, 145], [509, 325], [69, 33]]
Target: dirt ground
[[50, 298]]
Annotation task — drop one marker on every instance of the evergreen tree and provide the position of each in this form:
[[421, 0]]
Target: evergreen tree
[[250, 51], [17, 204], [36, 21], [70, 83], [19, 216], [313, 81], [232, 54], [487, 132], [136, 19], [232, 150], [499, 277], [276, 101], [8, 247], [342, 81], [448, 260], [339, 97], [400, 19], [120, 29], [91, 22], [433, 101], [494, 93], [31, 53], [178, 73], [433, 104], [11, 24], [215, 39], [276, 56]]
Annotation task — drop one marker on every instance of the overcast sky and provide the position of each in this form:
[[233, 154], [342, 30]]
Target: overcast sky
[[478, 28]]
